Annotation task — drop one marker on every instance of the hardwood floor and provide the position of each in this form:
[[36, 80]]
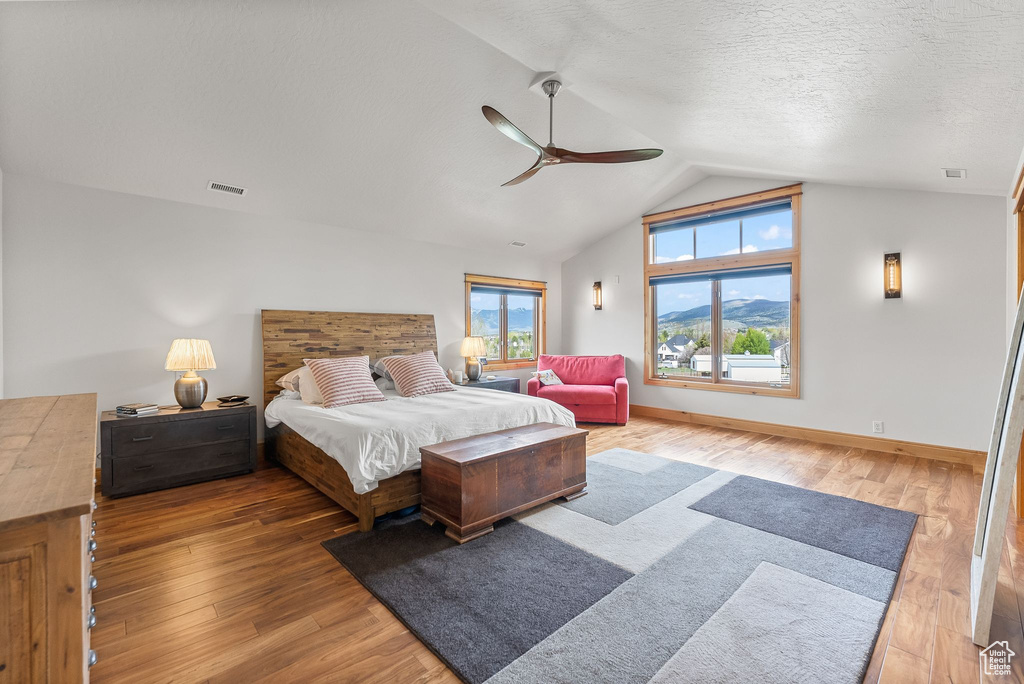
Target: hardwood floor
[[226, 581]]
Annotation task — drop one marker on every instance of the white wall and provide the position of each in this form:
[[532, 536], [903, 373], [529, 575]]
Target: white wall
[[97, 284], [1, 284], [929, 364]]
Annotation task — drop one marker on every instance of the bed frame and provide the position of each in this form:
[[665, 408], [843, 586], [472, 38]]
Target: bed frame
[[291, 336]]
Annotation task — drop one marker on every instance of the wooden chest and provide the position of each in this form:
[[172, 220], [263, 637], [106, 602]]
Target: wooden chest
[[468, 484]]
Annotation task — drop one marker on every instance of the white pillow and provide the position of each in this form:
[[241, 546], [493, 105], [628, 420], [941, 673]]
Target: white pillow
[[383, 384], [381, 370], [547, 377], [290, 381], [307, 387]]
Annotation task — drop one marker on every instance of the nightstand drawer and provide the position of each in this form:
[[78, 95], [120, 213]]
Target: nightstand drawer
[[169, 468], [129, 440]]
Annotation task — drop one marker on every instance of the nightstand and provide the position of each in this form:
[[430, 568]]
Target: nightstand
[[175, 446], [500, 383]]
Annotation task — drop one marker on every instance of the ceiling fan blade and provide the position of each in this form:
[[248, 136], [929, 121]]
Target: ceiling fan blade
[[509, 129], [617, 157], [524, 175]]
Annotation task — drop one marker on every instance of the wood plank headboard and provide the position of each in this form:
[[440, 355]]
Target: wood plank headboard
[[291, 336]]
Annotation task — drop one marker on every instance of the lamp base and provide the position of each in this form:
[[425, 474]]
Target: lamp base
[[190, 390], [473, 368]]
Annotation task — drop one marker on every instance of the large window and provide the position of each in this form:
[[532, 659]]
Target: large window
[[722, 294], [509, 315]]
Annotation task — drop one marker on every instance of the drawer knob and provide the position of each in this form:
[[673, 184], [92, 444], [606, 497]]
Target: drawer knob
[[144, 467], [94, 524], [91, 622], [142, 439], [92, 609], [92, 657], [94, 506], [92, 558], [225, 427], [92, 545], [92, 582], [92, 533]]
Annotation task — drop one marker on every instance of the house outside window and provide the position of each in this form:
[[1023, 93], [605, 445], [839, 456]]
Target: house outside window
[[722, 294]]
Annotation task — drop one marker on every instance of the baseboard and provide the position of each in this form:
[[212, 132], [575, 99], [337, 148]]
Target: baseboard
[[891, 446]]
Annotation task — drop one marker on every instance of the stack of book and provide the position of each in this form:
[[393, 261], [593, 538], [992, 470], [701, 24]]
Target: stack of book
[[137, 409]]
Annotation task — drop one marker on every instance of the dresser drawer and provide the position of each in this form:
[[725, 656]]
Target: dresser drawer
[[179, 466], [145, 438]]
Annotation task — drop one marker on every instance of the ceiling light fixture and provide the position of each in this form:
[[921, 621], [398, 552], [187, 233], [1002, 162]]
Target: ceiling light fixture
[[959, 174], [517, 243]]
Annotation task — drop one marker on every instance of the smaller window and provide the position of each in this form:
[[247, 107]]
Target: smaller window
[[725, 233], [509, 314]]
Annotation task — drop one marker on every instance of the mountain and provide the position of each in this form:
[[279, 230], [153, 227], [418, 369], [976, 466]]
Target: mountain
[[736, 314], [519, 320]]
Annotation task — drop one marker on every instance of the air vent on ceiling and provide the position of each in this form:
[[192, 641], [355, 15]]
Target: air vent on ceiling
[[954, 173], [516, 243], [224, 187]]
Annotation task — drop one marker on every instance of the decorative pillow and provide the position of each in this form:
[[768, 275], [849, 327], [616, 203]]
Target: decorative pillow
[[290, 381], [344, 381], [547, 377], [417, 374], [378, 369], [307, 387]]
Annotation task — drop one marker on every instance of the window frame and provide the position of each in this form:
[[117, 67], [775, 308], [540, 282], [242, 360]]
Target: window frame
[[724, 265], [539, 317]]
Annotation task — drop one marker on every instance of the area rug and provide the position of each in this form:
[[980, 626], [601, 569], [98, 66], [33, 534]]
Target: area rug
[[664, 572]]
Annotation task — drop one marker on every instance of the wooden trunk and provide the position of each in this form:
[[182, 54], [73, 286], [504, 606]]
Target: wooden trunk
[[470, 483]]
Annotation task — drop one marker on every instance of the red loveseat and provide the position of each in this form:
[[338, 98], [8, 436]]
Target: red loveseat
[[594, 389]]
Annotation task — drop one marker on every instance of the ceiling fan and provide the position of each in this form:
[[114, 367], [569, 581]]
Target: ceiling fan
[[550, 155]]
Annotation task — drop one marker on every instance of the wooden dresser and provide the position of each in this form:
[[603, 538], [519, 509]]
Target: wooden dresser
[[176, 446], [47, 468]]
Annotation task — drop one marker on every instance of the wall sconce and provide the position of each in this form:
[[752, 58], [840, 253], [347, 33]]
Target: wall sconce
[[893, 276], [597, 296]]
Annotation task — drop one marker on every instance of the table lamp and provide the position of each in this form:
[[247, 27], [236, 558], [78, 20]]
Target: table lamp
[[190, 356], [473, 348]]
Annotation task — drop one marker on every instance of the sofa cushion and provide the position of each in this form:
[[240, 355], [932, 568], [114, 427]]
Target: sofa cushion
[[584, 370], [578, 394]]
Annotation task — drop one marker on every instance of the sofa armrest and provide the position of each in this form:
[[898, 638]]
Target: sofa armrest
[[532, 385], [621, 401]]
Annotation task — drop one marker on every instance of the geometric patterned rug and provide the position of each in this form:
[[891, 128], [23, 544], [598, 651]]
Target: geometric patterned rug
[[664, 572]]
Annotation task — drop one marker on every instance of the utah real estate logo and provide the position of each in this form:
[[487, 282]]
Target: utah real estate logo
[[995, 659]]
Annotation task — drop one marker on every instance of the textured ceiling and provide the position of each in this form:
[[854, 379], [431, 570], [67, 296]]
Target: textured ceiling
[[872, 92], [366, 114]]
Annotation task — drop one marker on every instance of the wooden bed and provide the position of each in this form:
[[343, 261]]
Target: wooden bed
[[291, 336]]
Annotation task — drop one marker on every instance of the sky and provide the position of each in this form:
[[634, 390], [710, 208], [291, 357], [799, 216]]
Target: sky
[[760, 233]]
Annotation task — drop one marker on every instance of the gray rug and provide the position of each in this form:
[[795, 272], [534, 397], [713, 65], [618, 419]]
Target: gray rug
[[665, 572]]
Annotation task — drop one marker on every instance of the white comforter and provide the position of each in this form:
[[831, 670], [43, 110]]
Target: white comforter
[[379, 440]]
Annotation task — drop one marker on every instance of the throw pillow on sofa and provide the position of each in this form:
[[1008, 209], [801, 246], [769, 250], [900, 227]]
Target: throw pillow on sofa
[[547, 377]]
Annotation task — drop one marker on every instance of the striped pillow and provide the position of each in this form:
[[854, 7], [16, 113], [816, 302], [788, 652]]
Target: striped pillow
[[344, 381], [417, 374]]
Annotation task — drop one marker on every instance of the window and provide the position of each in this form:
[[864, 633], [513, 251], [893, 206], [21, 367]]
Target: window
[[509, 315], [722, 294]]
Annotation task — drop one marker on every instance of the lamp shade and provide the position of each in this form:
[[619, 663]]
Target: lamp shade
[[190, 355], [473, 346]]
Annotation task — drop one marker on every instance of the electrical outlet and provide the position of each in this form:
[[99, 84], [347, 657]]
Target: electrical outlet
[[877, 426]]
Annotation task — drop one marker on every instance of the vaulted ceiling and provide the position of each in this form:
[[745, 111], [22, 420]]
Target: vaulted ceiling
[[366, 114]]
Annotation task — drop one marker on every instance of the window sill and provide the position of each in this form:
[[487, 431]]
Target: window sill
[[791, 392], [510, 365]]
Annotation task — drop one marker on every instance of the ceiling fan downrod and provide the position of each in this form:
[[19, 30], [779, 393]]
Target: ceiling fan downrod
[[551, 88]]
